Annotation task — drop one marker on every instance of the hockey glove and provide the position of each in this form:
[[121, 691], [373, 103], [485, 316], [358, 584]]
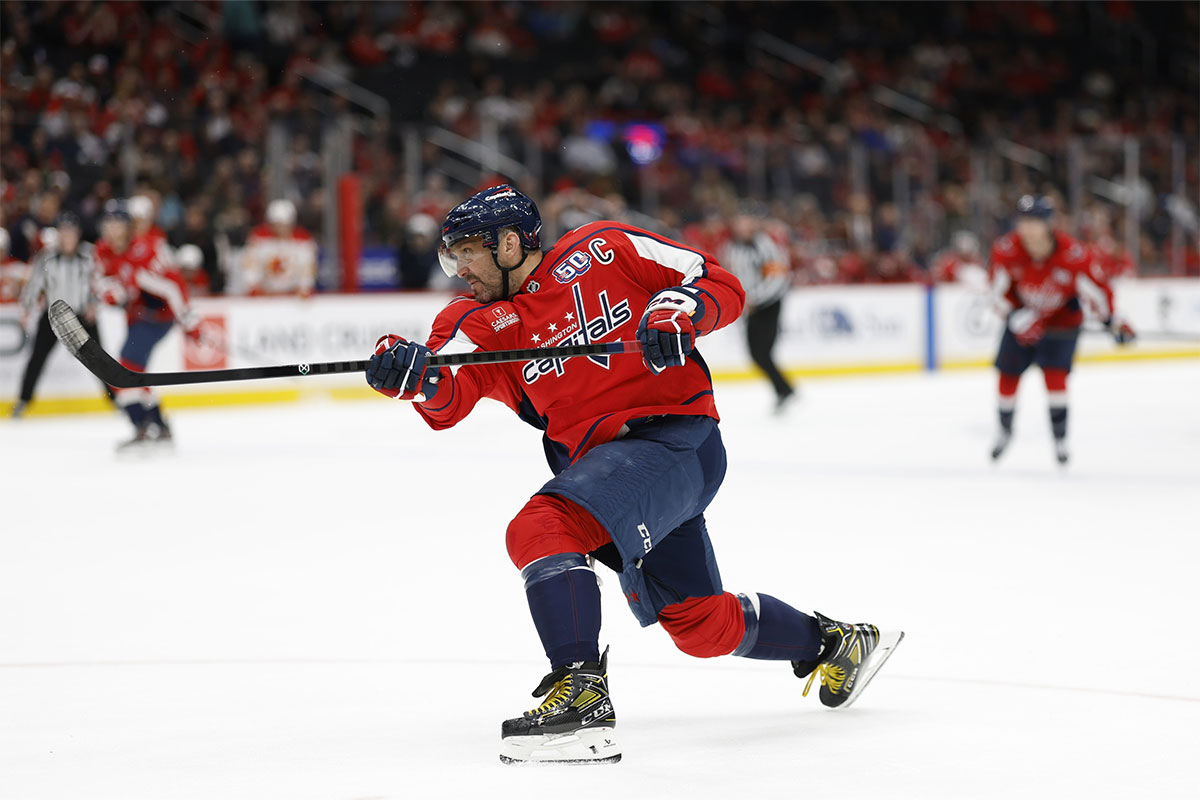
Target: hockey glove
[[398, 369], [667, 331], [1120, 330], [1027, 325], [190, 322]]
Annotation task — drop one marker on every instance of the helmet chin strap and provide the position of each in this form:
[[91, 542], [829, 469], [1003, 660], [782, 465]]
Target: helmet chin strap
[[504, 294]]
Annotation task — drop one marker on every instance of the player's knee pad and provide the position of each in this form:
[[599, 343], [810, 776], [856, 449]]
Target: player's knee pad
[[705, 627], [550, 525], [1056, 379], [1008, 384]]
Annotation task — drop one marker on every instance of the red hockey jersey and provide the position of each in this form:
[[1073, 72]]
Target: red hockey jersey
[[592, 286], [1056, 288], [156, 290]]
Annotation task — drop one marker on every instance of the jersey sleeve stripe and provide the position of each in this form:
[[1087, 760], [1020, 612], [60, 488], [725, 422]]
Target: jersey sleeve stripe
[[463, 318], [688, 263], [445, 405]]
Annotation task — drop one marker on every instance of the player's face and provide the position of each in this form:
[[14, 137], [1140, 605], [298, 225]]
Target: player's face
[[1034, 234], [474, 265], [116, 233], [68, 238]]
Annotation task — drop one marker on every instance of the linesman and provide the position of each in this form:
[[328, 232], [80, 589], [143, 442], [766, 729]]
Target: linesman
[[67, 272]]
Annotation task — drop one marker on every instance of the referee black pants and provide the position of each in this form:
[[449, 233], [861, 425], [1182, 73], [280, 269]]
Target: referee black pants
[[762, 329], [43, 342]]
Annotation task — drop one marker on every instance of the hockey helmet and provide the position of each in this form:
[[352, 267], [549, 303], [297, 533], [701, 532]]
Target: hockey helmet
[[485, 214], [1039, 207], [140, 207], [281, 212]]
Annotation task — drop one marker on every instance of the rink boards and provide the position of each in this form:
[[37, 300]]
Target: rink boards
[[825, 330]]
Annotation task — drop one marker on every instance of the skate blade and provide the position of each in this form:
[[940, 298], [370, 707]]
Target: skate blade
[[591, 746], [888, 642]]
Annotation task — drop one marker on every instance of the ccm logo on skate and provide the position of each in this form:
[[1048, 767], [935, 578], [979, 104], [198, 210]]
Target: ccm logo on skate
[[304, 369], [605, 708]]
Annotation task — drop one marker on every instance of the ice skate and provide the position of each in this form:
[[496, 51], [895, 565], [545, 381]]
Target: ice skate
[[575, 724], [138, 444], [162, 437], [1061, 452], [850, 657], [18, 409], [1002, 440]]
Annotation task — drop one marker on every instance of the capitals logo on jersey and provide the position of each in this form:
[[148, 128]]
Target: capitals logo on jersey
[[579, 329]]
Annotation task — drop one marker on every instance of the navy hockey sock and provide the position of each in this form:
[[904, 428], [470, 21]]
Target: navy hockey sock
[[777, 632], [1006, 418], [154, 416], [136, 413], [1058, 421], [564, 600]]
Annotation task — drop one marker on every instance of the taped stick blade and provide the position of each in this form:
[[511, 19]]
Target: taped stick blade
[[67, 327]]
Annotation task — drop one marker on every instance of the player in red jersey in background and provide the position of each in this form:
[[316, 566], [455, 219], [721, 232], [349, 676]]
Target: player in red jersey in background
[[140, 275], [1042, 279], [634, 446], [13, 271]]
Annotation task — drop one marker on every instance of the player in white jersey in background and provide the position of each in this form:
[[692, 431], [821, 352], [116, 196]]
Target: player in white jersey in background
[[280, 256]]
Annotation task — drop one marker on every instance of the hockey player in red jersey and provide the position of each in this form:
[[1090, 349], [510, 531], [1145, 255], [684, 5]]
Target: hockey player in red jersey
[[140, 275], [1042, 279], [634, 446]]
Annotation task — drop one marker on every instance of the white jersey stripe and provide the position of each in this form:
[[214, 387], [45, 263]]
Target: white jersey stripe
[[688, 263], [1088, 290], [459, 344], [165, 288]]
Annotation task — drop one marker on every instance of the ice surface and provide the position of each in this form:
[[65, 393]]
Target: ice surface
[[314, 601]]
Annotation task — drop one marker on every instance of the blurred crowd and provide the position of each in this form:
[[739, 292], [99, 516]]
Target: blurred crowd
[[765, 109]]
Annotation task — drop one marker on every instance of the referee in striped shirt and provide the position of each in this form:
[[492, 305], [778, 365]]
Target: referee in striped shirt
[[66, 272], [762, 267]]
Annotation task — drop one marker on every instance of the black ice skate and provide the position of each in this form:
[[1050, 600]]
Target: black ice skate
[[575, 724], [1002, 440], [1061, 452], [161, 435], [850, 656], [140, 441]]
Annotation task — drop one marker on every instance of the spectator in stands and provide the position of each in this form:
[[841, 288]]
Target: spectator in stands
[[196, 232], [418, 254]]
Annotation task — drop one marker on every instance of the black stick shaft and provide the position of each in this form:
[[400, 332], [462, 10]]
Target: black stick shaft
[[70, 332]]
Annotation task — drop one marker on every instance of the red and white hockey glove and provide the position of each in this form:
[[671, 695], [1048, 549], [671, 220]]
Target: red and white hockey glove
[[1027, 325], [667, 330], [190, 322], [1121, 330], [111, 292], [398, 369]]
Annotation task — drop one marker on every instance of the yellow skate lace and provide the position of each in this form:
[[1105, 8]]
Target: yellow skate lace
[[558, 696], [831, 676]]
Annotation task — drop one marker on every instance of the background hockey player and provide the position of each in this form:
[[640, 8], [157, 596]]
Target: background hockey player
[[280, 257], [69, 271], [13, 271], [1042, 278], [634, 446], [762, 267], [140, 276]]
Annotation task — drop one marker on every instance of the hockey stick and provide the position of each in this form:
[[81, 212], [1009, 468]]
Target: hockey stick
[[70, 332], [1149, 336]]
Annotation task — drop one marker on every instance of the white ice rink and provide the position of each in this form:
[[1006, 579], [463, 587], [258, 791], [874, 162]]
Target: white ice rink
[[314, 601]]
